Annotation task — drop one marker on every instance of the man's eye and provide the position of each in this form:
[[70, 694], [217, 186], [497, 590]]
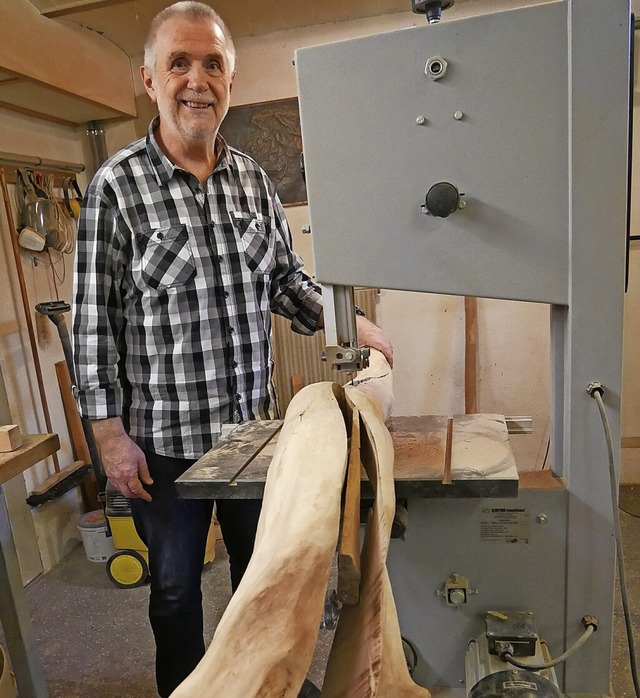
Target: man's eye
[[214, 67], [179, 64]]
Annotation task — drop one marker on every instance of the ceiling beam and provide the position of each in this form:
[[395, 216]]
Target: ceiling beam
[[66, 57], [76, 6]]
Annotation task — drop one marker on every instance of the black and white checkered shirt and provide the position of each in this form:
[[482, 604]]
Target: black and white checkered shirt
[[173, 287]]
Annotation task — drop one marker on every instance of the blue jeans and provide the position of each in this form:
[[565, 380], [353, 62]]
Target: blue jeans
[[175, 531]]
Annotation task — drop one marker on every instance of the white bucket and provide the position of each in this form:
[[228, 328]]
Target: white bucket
[[98, 547], [7, 680]]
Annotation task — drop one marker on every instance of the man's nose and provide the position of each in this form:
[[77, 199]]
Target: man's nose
[[197, 77]]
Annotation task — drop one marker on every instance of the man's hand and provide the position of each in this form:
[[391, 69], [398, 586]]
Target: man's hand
[[122, 459], [370, 335]]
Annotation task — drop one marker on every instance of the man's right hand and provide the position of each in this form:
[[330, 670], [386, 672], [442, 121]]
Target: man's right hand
[[122, 459]]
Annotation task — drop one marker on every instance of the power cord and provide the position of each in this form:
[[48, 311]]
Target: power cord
[[505, 649], [596, 391]]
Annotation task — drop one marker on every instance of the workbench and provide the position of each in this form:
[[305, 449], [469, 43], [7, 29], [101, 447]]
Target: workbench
[[481, 462], [14, 612]]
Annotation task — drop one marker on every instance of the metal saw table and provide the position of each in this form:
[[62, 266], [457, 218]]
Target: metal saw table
[[481, 462]]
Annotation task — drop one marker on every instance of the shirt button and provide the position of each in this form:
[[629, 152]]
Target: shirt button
[[231, 330], [226, 294], [238, 397], [220, 258], [234, 364]]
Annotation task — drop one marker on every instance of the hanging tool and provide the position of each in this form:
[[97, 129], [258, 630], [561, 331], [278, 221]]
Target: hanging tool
[[26, 307], [71, 204]]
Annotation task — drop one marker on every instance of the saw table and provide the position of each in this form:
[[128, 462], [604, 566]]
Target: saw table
[[478, 462]]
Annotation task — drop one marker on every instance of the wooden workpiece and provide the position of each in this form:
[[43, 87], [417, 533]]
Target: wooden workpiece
[[10, 438], [482, 463], [264, 642]]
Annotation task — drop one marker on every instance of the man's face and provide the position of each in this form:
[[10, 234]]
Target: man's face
[[191, 82]]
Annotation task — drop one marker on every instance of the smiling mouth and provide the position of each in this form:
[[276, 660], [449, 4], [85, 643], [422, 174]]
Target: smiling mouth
[[197, 105]]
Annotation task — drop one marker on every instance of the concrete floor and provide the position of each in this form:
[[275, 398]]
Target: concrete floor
[[95, 641]]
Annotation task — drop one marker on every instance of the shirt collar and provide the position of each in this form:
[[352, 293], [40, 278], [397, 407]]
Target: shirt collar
[[164, 168]]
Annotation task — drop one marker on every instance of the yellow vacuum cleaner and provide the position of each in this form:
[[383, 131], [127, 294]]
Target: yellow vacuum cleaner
[[128, 567]]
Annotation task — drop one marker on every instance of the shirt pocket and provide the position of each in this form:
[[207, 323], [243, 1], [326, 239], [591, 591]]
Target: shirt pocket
[[256, 242], [166, 257]]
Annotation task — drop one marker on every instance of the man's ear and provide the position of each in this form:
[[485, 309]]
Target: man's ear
[[147, 81], [233, 77]]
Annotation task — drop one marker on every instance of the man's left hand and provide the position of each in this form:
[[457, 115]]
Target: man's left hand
[[370, 335]]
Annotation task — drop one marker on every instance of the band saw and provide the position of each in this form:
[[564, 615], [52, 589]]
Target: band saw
[[487, 157]]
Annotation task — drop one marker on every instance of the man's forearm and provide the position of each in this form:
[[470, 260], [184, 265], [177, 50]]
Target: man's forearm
[[109, 428]]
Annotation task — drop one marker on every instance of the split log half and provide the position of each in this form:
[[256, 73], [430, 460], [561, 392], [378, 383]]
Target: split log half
[[264, 643], [367, 659]]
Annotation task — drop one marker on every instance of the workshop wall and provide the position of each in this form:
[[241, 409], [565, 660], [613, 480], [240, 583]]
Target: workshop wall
[[45, 534]]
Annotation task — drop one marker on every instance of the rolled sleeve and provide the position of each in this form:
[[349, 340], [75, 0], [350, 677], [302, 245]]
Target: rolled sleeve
[[294, 295]]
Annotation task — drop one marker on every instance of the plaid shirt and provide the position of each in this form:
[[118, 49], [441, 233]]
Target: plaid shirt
[[173, 287]]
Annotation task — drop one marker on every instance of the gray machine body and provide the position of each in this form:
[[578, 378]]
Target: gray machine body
[[530, 122], [446, 537]]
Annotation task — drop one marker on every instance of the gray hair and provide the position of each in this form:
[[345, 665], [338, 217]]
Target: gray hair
[[193, 11]]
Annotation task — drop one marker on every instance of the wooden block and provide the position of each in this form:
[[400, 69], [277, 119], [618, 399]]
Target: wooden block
[[10, 438]]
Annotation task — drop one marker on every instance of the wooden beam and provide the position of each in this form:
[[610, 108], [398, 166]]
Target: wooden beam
[[66, 57], [470, 355], [36, 114], [71, 8], [348, 587]]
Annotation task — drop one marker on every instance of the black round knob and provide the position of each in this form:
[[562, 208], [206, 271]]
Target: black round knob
[[442, 199]]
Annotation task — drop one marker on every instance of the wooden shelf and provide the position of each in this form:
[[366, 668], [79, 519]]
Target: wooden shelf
[[35, 447]]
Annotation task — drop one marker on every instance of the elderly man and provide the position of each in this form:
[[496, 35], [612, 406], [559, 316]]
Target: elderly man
[[183, 251]]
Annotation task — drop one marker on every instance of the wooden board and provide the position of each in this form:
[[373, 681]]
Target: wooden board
[[35, 447], [348, 586]]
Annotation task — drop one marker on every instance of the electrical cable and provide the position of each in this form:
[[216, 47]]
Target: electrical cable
[[597, 391], [590, 627]]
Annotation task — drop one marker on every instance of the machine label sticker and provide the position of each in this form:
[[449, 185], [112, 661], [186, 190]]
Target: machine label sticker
[[520, 685], [505, 525]]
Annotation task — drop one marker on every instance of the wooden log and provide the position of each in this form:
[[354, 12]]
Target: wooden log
[[375, 383], [366, 658], [265, 640]]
